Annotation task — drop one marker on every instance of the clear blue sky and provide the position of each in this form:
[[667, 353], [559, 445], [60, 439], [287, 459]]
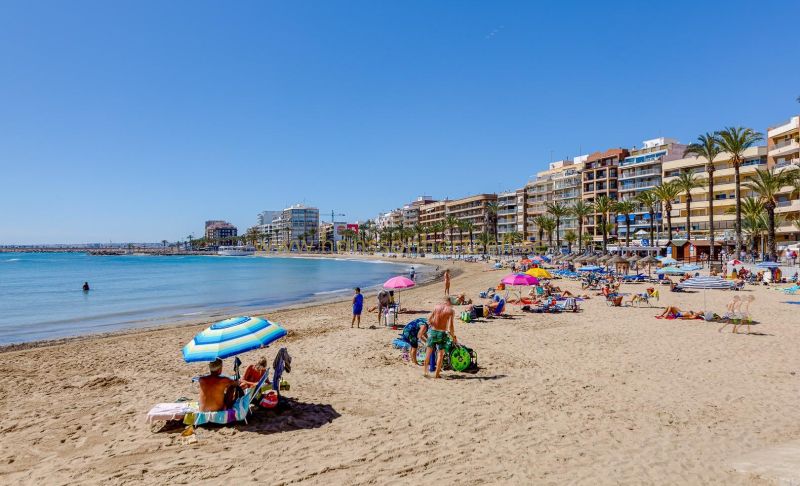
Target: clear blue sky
[[136, 121]]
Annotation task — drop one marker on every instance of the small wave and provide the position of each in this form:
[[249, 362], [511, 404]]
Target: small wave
[[338, 291], [192, 313], [13, 260]]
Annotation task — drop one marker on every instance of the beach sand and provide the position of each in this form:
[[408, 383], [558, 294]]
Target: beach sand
[[605, 396]]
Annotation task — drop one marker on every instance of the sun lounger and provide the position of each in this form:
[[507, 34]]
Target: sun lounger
[[237, 413]]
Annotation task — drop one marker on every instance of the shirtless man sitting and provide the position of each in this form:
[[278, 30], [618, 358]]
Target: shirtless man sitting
[[212, 388], [440, 323]]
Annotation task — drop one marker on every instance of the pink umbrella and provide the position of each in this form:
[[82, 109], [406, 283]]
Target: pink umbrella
[[519, 279], [397, 283], [734, 262]]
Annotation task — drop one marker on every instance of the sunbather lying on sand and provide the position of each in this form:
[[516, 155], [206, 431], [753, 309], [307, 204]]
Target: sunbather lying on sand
[[672, 312]]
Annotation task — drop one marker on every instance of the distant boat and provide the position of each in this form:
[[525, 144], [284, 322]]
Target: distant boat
[[236, 250]]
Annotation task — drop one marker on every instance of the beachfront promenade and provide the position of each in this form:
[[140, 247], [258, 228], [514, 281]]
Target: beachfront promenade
[[609, 395]]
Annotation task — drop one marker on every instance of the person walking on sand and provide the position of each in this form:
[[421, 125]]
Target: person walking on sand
[[447, 282], [358, 306], [440, 324]]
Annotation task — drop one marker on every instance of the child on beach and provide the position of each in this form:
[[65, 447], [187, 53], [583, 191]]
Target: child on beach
[[358, 305]]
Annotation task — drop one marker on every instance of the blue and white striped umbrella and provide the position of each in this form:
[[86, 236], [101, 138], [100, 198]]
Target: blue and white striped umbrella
[[669, 261], [231, 337], [706, 283], [691, 267], [768, 265]]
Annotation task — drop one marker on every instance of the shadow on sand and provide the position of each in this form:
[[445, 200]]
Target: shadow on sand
[[290, 415]]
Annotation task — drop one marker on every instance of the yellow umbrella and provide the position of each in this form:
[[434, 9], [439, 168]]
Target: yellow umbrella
[[539, 273]]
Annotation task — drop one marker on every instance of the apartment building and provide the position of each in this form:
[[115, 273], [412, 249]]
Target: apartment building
[[600, 178], [724, 194], [221, 232], [640, 171], [474, 209], [561, 183], [783, 153], [297, 225], [506, 213]]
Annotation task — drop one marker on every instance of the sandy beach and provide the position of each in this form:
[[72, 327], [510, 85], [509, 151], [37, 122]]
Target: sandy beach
[[604, 396]]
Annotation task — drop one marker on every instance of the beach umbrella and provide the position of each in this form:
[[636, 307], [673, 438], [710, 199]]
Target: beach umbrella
[[769, 265], [538, 273], [671, 271], [691, 267], [538, 259], [669, 261], [589, 259], [526, 261], [231, 337], [398, 283], [519, 279], [633, 259], [649, 261], [617, 261], [706, 283]]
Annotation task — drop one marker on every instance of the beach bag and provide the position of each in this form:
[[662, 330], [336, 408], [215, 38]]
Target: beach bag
[[463, 359], [466, 316]]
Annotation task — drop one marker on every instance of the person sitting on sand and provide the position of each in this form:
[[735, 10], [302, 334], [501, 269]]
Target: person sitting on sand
[[460, 300], [441, 323], [253, 373], [672, 312], [212, 388]]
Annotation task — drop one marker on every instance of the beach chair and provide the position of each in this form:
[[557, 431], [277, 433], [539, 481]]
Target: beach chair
[[570, 305], [237, 413], [791, 290]]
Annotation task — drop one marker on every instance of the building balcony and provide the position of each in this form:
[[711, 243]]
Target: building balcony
[[787, 127], [788, 206], [640, 173], [638, 185], [784, 148]]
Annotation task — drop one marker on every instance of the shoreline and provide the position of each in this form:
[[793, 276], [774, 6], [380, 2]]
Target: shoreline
[[427, 274]]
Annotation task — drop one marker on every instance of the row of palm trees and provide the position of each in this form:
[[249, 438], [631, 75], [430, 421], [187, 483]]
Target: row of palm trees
[[766, 185]]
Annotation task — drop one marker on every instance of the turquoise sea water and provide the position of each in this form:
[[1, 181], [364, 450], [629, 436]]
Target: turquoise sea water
[[41, 296]]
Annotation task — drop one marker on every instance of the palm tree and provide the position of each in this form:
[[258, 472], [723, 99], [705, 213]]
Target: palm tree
[[419, 230], [753, 221], [570, 237], [581, 210], [666, 193], [462, 226], [490, 221], [707, 147], [513, 238], [557, 211], [735, 140], [685, 182], [312, 233], [469, 227], [484, 238], [540, 221], [451, 223], [603, 205], [549, 224], [767, 184], [587, 240], [626, 207], [650, 201]]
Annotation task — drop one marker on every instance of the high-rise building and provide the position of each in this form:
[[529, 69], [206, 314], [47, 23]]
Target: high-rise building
[[783, 145], [220, 232], [473, 209], [297, 225], [560, 183], [640, 171], [724, 195], [266, 217], [599, 176]]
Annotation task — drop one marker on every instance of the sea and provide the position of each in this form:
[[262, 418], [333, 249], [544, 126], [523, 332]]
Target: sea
[[41, 294]]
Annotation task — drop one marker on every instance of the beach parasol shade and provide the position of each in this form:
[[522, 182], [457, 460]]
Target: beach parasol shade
[[231, 337], [691, 267], [617, 259], [671, 271], [633, 259], [706, 283], [669, 261], [735, 262], [768, 265], [400, 282], [649, 260], [589, 259], [519, 279], [539, 273], [603, 258]]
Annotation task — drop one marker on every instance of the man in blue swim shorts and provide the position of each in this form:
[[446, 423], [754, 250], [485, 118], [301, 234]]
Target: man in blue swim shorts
[[358, 306]]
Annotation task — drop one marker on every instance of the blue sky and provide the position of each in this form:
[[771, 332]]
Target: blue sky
[[136, 121]]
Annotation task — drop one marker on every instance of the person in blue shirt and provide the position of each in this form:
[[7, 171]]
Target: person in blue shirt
[[358, 306]]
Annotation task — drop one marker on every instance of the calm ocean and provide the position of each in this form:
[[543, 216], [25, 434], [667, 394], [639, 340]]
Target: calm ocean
[[41, 296]]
